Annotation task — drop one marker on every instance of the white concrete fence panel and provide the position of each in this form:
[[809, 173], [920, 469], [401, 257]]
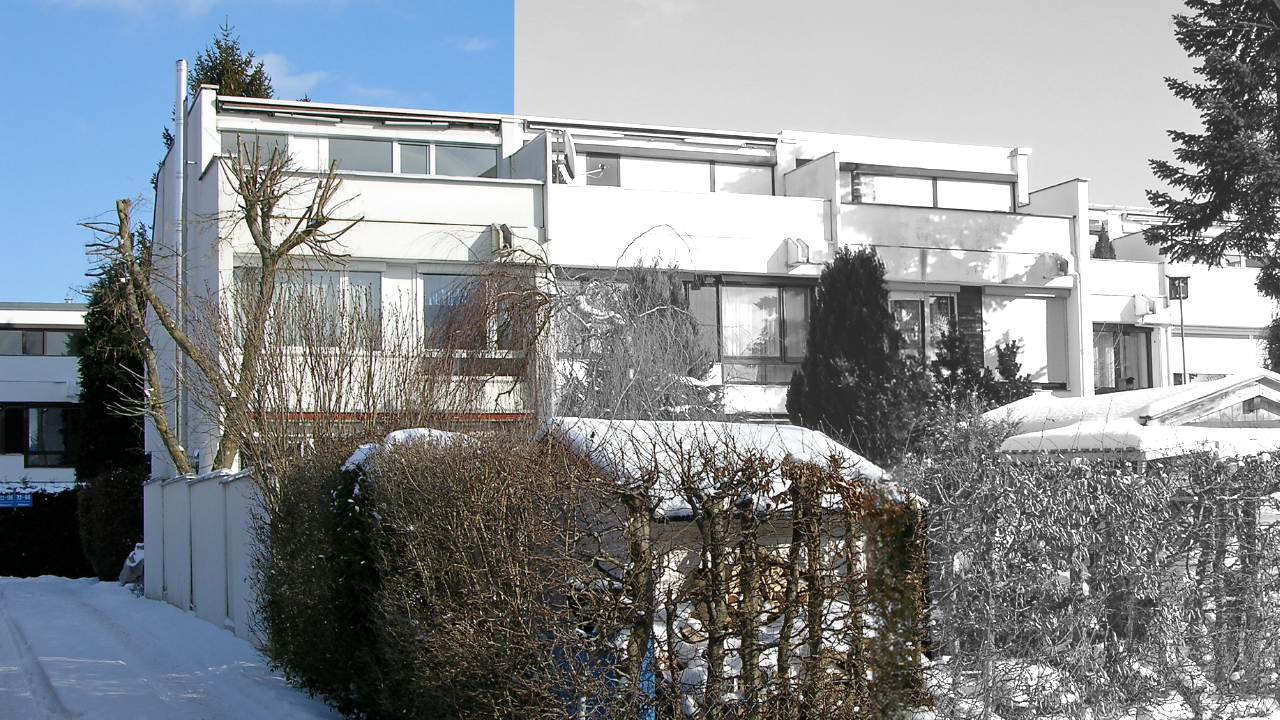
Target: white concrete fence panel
[[200, 535]]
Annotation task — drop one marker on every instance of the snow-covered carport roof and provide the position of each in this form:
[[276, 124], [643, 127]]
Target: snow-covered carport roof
[[1232, 416], [628, 450]]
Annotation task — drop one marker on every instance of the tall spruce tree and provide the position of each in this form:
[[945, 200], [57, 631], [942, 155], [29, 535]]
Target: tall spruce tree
[[110, 459], [1230, 173], [855, 382], [224, 64]]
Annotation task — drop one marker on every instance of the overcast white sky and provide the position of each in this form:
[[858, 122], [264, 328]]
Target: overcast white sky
[[1080, 82]]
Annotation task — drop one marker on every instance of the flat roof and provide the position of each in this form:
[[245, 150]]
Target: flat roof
[[76, 307]]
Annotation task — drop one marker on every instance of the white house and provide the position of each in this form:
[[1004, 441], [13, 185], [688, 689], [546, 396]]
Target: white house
[[748, 218], [39, 388]]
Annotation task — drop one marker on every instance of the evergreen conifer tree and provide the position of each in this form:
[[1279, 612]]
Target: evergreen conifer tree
[[855, 383], [1230, 172], [224, 64]]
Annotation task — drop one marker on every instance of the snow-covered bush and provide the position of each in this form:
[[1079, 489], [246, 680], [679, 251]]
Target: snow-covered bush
[[1064, 585], [490, 576]]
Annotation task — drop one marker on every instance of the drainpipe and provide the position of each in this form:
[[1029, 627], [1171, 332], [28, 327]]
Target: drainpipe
[[180, 238]]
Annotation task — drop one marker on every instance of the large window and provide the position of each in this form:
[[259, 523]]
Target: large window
[[318, 308], [675, 175], [360, 155], [922, 319], [259, 147], [923, 191], [37, 342], [466, 161], [468, 312], [1121, 357], [38, 433], [763, 331]]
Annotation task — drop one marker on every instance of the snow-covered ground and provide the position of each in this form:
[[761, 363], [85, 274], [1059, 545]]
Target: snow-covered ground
[[90, 650]]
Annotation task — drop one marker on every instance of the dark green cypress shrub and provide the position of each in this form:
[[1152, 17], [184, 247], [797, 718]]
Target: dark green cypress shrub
[[855, 384]]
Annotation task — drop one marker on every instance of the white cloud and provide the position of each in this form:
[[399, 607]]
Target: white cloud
[[288, 85], [469, 44]]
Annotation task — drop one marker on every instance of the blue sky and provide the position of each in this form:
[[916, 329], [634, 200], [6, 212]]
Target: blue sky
[[87, 85]]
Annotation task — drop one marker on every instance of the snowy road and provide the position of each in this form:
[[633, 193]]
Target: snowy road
[[83, 649]]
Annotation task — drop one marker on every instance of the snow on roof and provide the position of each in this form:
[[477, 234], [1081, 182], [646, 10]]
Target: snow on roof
[[1149, 442], [408, 436], [633, 449], [1133, 421]]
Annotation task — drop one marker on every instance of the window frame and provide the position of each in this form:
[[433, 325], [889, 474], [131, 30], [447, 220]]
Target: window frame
[[44, 340], [928, 343], [784, 358], [344, 273], [853, 172], [1123, 329], [65, 455]]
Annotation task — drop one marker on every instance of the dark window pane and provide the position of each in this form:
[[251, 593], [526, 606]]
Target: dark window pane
[[413, 159], [703, 307], [32, 342], [58, 342], [795, 309], [10, 342], [443, 295], [466, 161], [255, 146], [15, 431], [46, 437], [360, 155]]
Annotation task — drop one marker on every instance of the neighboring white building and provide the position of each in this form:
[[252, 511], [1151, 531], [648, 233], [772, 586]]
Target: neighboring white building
[[1138, 329], [39, 387], [749, 218]]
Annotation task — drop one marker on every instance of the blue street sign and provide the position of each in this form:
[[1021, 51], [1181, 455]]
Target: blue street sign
[[15, 500]]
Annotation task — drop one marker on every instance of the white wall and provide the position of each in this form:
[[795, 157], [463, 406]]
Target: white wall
[[712, 232], [200, 536], [958, 246]]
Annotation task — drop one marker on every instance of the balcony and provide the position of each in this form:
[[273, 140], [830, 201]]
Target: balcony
[[712, 232], [921, 244]]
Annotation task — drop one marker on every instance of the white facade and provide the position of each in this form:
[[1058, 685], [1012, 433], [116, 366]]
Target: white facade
[[39, 386], [1225, 316], [748, 218]]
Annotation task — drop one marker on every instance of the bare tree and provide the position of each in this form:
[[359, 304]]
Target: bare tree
[[287, 216]]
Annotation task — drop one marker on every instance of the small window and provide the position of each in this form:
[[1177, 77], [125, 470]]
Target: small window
[[360, 155], [414, 159], [601, 170], [466, 161], [32, 342], [15, 431], [46, 437], [59, 342], [922, 319], [10, 342]]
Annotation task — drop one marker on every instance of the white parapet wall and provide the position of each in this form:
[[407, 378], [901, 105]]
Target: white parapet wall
[[200, 537]]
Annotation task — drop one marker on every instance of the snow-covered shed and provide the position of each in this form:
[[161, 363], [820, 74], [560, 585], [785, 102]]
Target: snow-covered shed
[[1232, 416], [628, 449]]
